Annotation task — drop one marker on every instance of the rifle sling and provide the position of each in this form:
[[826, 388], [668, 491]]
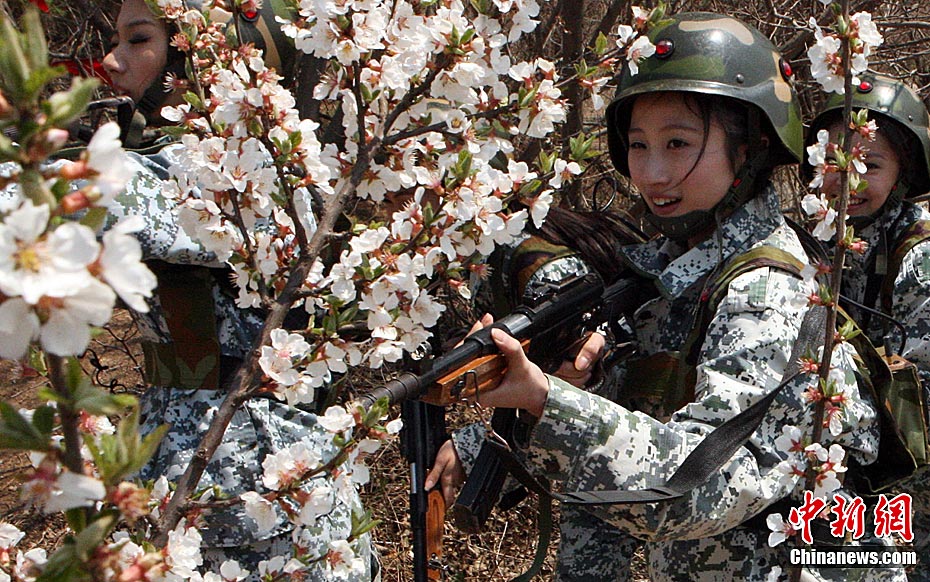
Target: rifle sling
[[711, 453]]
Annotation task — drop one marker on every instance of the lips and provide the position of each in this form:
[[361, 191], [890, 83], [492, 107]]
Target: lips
[[855, 202], [664, 205]]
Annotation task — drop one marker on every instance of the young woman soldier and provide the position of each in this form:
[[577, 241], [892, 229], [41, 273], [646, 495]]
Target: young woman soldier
[[698, 131], [892, 276], [195, 336]]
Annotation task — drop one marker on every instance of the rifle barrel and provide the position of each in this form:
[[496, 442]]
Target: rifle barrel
[[578, 296]]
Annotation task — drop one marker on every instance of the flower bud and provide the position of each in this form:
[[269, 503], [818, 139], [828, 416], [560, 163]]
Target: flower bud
[[75, 201], [74, 170]]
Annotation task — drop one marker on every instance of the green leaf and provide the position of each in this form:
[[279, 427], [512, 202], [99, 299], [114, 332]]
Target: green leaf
[[462, 168], [366, 92], [64, 107], [600, 44], [193, 100], [34, 44], [530, 188], [8, 152], [63, 566], [527, 97], [377, 411], [95, 218], [97, 401], [581, 147], [43, 419], [363, 523], [125, 452], [17, 433], [14, 67], [95, 534], [546, 161]]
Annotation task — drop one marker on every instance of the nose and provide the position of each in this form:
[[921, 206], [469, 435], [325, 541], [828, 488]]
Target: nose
[[650, 170], [831, 183], [111, 62]]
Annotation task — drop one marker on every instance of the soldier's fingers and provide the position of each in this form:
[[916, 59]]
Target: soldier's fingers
[[485, 320], [447, 471], [568, 372], [524, 386], [590, 352]]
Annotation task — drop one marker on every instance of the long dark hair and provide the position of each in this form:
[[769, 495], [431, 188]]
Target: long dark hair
[[595, 235]]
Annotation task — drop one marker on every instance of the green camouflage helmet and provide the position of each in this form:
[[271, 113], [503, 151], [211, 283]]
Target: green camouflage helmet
[[714, 54], [892, 99]]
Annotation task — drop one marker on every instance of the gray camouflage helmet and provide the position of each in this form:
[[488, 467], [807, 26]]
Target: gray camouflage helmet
[[701, 52], [261, 28], [892, 99]]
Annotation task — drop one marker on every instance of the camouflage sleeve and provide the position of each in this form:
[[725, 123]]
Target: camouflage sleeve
[[911, 306], [161, 237], [591, 443], [467, 441]]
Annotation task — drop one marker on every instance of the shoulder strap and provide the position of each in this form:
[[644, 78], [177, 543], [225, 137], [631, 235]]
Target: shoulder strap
[[710, 454], [912, 236], [716, 289]]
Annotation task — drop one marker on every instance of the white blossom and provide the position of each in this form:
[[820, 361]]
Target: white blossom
[[111, 164], [259, 509], [182, 552], [641, 48], [336, 419], [122, 267], [780, 529], [10, 535]]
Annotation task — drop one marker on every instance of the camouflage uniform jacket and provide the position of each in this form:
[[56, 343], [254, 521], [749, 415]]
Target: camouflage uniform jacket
[[261, 427], [910, 305], [910, 298], [587, 442]]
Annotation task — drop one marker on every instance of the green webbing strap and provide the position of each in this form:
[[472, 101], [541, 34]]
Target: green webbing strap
[[544, 525], [716, 288], [913, 235], [716, 448]]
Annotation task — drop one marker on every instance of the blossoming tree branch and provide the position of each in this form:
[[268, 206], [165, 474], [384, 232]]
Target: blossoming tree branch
[[422, 100], [838, 56]]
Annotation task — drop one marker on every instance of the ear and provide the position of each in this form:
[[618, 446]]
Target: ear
[[742, 152]]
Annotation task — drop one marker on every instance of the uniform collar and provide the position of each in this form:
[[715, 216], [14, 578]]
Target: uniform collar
[[676, 268], [893, 220]]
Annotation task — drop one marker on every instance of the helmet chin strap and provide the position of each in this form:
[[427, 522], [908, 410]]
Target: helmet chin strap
[[687, 226]]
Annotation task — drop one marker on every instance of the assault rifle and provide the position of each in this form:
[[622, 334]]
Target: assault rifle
[[552, 318]]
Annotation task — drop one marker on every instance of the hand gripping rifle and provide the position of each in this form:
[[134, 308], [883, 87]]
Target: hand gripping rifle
[[556, 312]]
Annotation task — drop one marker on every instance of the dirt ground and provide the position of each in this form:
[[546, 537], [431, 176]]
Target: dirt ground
[[504, 550]]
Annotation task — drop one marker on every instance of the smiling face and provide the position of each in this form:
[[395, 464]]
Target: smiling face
[[139, 50], [883, 169], [676, 164]]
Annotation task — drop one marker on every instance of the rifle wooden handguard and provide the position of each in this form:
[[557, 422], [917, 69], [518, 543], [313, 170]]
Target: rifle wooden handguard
[[479, 375], [435, 526]]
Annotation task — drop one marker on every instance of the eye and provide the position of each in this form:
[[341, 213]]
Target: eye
[[676, 143], [637, 145], [139, 39]]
